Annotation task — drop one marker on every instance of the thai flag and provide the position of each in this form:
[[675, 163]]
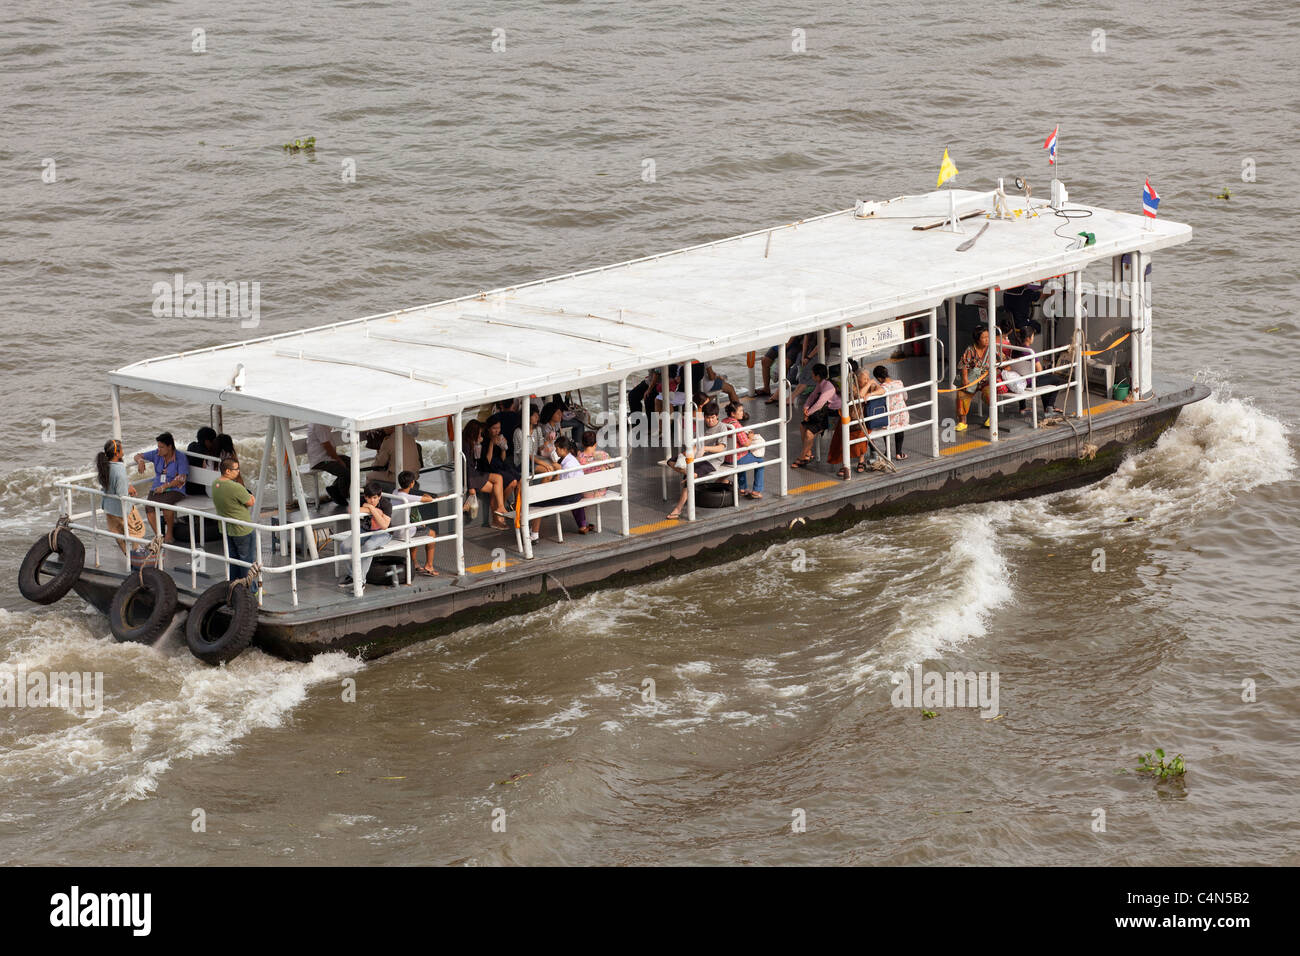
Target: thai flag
[[1150, 200], [1050, 146]]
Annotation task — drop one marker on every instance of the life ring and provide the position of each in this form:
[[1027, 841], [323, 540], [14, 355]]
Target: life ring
[[221, 623], [71, 552], [143, 606]]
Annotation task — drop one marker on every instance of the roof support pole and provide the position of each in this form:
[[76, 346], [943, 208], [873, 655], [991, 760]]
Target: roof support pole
[[934, 381], [264, 470], [287, 440], [1116, 283], [281, 482], [1076, 295], [459, 484], [116, 394], [525, 472], [354, 508], [396, 463], [1148, 383], [952, 345], [992, 381], [1137, 385], [623, 453], [666, 415], [780, 406], [688, 436], [844, 399], [604, 397]]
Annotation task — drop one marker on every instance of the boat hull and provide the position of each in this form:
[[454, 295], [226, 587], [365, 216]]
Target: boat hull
[[1055, 459]]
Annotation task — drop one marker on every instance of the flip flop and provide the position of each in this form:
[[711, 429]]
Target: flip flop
[[901, 456], [862, 468], [427, 573], [755, 495], [675, 516]]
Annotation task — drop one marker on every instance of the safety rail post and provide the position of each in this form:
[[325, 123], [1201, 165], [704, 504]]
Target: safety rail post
[[257, 556], [264, 468], [525, 476], [844, 398], [1136, 385], [286, 438], [688, 436], [456, 465], [1081, 385], [354, 508], [781, 429], [666, 415], [934, 382], [992, 381], [623, 453]]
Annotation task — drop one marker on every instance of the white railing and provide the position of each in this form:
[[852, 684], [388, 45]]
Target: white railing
[[1032, 391], [541, 491]]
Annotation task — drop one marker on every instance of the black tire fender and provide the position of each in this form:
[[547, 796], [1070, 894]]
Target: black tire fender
[[221, 623], [151, 588], [70, 551]]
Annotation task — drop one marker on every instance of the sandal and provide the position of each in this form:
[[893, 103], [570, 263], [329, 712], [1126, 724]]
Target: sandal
[[674, 515], [862, 468], [773, 399], [842, 474], [901, 456], [762, 392], [801, 462], [755, 495], [427, 572]]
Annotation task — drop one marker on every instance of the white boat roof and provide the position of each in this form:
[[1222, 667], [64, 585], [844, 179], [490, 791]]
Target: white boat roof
[[704, 302]]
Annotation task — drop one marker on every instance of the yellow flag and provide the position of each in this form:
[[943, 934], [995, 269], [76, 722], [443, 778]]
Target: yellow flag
[[946, 169]]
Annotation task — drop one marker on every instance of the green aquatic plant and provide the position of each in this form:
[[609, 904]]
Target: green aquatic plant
[[299, 145], [1162, 769], [929, 714]]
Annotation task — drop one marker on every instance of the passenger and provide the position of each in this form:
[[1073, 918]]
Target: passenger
[[1031, 370], [323, 456], [974, 368], [703, 447], [896, 401], [111, 472], [793, 347], [170, 472], [570, 467], [496, 457], [384, 468], [508, 413], [232, 501], [591, 456], [748, 451], [803, 381], [817, 414], [205, 443], [226, 449], [374, 529], [407, 492], [540, 446], [477, 481]]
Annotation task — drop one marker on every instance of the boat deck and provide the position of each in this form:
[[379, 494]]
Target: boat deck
[[320, 596]]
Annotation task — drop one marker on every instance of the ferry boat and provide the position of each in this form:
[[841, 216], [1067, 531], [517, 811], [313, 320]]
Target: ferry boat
[[907, 284]]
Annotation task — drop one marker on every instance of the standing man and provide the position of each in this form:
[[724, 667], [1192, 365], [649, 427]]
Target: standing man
[[232, 501], [170, 472], [323, 456]]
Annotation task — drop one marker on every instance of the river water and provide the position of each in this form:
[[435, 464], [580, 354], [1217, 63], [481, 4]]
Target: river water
[[772, 674]]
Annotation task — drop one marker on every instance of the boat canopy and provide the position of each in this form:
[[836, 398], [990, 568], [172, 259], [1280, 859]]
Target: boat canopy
[[704, 302]]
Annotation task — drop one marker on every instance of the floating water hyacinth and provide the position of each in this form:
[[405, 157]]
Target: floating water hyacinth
[[298, 145]]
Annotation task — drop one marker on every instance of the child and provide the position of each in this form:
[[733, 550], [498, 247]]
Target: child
[[406, 492]]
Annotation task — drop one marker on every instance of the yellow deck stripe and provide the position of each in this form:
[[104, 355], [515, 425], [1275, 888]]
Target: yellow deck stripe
[[480, 568], [815, 486], [1099, 409], [656, 526], [965, 446]]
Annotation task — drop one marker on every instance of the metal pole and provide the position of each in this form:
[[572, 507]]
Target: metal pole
[[399, 439], [934, 382], [992, 380], [688, 437], [298, 491], [1135, 324], [665, 416], [844, 398], [952, 344], [1148, 383], [623, 452], [280, 489], [1077, 301], [780, 405], [525, 469], [116, 393], [264, 469], [354, 508], [1116, 281], [459, 485]]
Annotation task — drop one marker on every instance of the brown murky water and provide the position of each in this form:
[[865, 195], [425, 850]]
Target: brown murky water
[[476, 168]]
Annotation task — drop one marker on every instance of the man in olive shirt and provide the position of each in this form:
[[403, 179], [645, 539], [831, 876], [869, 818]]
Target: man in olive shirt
[[232, 500]]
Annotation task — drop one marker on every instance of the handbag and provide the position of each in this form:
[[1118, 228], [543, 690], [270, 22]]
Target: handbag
[[135, 526]]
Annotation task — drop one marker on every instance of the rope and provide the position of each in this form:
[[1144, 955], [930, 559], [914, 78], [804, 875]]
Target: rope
[[155, 550], [1109, 347], [254, 576], [54, 533]]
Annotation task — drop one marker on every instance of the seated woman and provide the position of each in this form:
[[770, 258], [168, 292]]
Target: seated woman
[[374, 530], [818, 413], [591, 456], [496, 457], [540, 446], [477, 481]]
